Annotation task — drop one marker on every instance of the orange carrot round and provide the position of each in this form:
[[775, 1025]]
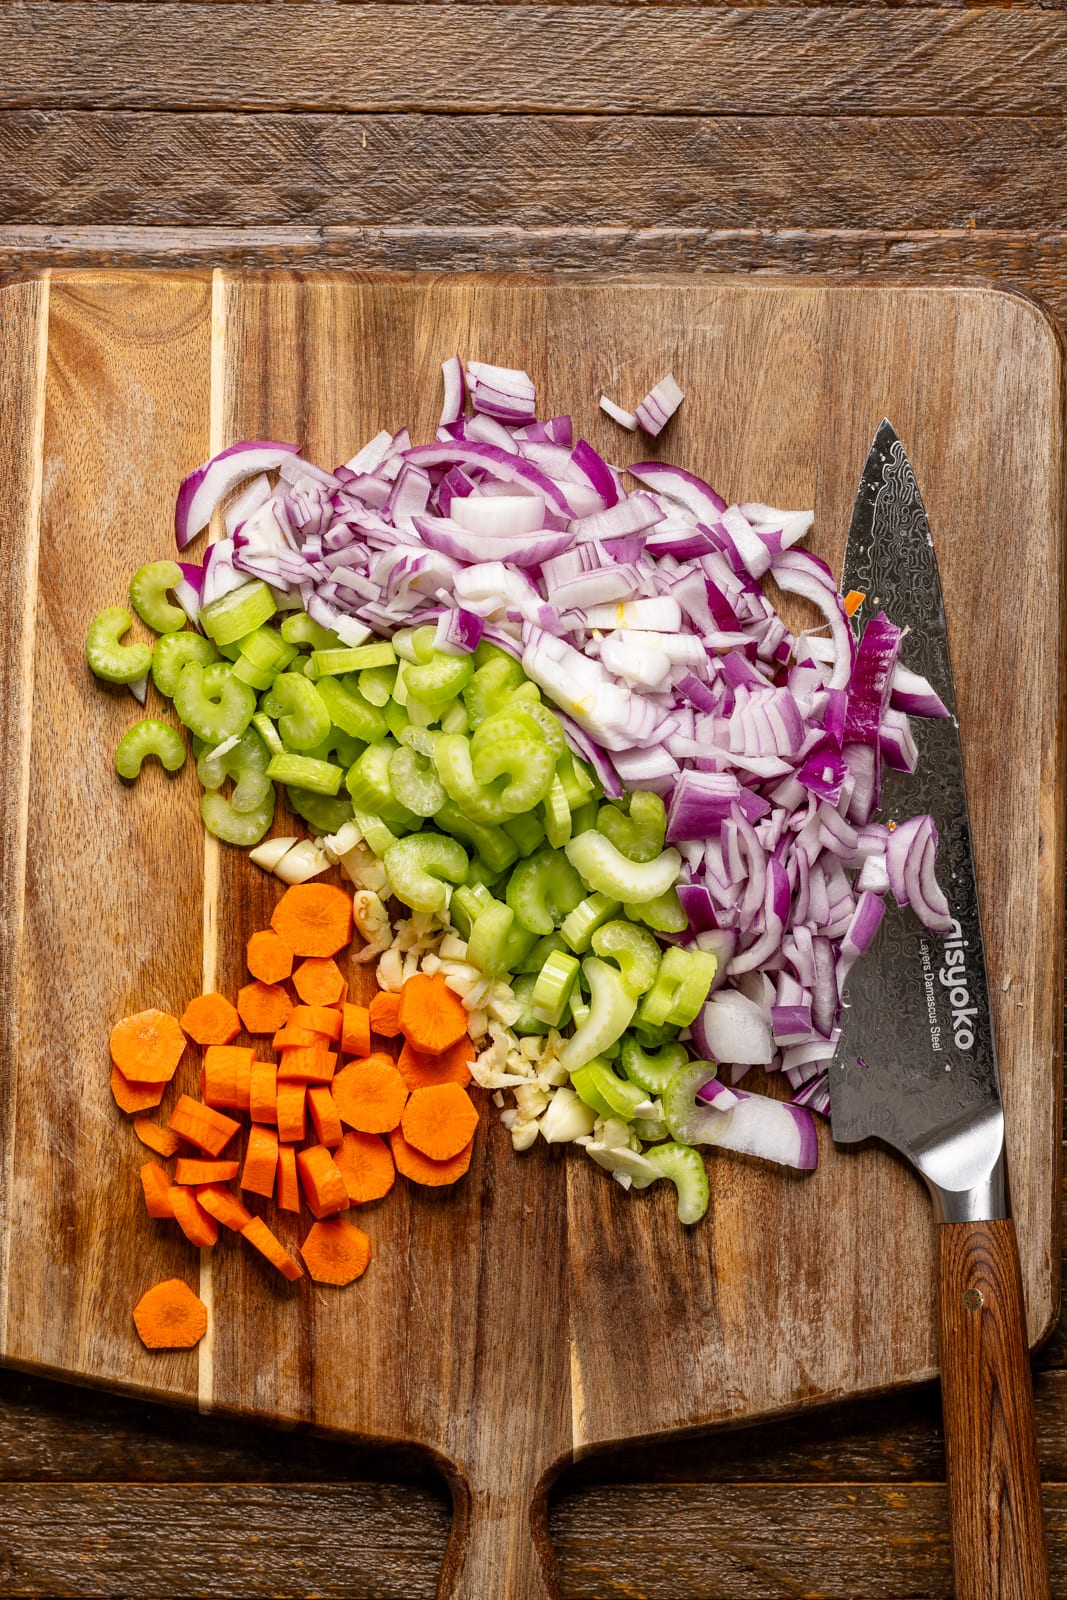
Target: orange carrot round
[[370, 1094], [383, 1013], [416, 1167], [288, 1181], [211, 1019], [157, 1190], [451, 1066], [324, 1117], [169, 1316], [263, 1092], [202, 1125], [133, 1097], [319, 981], [198, 1227], [336, 1252], [314, 919], [147, 1047], [268, 957], [222, 1204], [429, 1015], [366, 1165], [318, 1019], [323, 1186], [355, 1030], [439, 1121], [264, 1007], [293, 1038], [261, 1161], [260, 1237]]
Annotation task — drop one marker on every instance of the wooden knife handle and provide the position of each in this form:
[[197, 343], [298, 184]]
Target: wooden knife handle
[[499, 1547], [998, 1529]]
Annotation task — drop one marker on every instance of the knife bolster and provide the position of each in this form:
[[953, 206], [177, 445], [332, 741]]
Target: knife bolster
[[985, 1201]]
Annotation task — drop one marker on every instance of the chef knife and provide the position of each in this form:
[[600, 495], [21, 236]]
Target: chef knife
[[916, 1066]]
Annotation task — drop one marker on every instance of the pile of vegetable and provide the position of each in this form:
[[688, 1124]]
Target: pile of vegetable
[[632, 816]]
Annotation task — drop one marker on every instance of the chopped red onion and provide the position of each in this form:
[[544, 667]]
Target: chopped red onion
[[659, 406]]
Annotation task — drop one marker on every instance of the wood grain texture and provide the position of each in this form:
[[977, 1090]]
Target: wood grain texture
[[829, 172], [526, 1260], [367, 58]]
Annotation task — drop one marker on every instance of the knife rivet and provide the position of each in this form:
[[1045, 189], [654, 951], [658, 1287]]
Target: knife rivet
[[973, 1299]]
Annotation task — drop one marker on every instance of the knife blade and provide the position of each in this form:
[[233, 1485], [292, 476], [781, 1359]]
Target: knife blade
[[916, 1067]]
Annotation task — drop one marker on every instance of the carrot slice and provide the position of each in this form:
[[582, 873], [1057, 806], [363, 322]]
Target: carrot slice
[[336, 1252], [211, 1019], [412, 1164], [291, 1119], [370, 1094], [268, 957], [429, 1015], [135, 1096], [263, 1092], [383, 1014], [309, 1064], [259, 1235], [161, 1140], [319, 981], [203, 1126], [157, 1190], [264, 1007], [198, 1227], [227, 1068], [314, 919], [288, 1181], [451, 1066], [355, 1030], [224, 1206], [323, 1186], [319, 1019], [169, 1316], [147, 1047], [261, 1161], [439, 1121], [290, 1038], [365, 1163], [189, 1171], [324, 1118]]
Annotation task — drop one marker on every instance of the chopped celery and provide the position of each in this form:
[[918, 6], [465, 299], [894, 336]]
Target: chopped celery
[[526, 832], [528, 1021], [175, 651], [298, 628], [633, 950], [493, 845], [236, 827], [467, 901], [264, 647], [378, 836], [611, 1009], [577, 784], [305, 772], [590, 914], [149, 738], [339, 747], [665, 913], [504, 727], [454, 718], [326, 815], [421, 865], [686, 1170], [689, 1119], [480, 801], [540, 953], [552, 987], [246, 763], [557, 814], [640, 835], [607, 1094], [212, 703], [370, 787], [376, 685], [303, 720], [439, 680], [234, 615], [549, 724], [268, 733], [331, 663], [583, 817], [542, 890], [494, 944], [680, 989], [349, 708], [602, 867], [414, 644], [527, 763], [652, 1072], [491, 685], [148, 596], [480, 871], [114, 662], [415, 783]]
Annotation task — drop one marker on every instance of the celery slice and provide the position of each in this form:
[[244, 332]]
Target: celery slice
[[212, 703], [148, 596], [236, 614], [603, 868], [421, 865], [304, 772], [114, 662], [686, 1170], [149, 738], [175, 651]]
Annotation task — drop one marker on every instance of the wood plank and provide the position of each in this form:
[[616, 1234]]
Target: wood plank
[[369, 58], [67, 168]]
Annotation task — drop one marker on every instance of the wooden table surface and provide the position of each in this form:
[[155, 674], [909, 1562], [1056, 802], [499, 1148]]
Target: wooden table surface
[[886, 141]]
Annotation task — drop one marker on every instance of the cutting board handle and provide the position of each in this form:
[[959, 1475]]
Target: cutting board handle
[[998, 1531], [499, 1547]]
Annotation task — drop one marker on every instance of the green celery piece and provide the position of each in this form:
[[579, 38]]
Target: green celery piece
[[540, 953], [246, 763], [552, 987], [415, 783], [633, 950], [234, 615], [175, 651], [305, 772], [492, 684], [557, 814], [611, 1008], [320, 811], [601, 867], [396, 719], [268, 733], [665, 913], [265, 648], [212, 703], [149, 738], [114, 662], [453, 718], [590, 914], [494, 944], [439, 680], [652, 1072], [236, 827], [608, 1095], [542, 890], [245, 671], [684, 1168], [371, 789], [493, 845], [351, 710], [378, 836], [528, 1022], [549, 724], [332, 663], [640, 835], [578, 786], [680, 989], [338, 746], [304, 720], [414, 644], [480, 871], [507, 726], [525, 831], [480, 801], [579, 1009], [689, 1119], [527, 763], [148, 596], [468, 900], [298, 628], [653, 1038], [584, 818], [421, 865], [376, 685]]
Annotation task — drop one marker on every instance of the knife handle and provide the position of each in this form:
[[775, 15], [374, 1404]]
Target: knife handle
[[994, 1486]]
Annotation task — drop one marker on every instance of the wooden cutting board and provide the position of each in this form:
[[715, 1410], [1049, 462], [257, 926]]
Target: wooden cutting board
[[535, 1312]]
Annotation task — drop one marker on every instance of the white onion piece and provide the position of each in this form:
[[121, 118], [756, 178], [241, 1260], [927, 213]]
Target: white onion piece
[[732, 1029], [500, 515]]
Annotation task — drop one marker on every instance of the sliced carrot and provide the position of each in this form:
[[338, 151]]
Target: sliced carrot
[[451, 1066], [383, 1011], [203, 1126], [264, 1007], [309, 1064], [224, 1206], [263, 1092], [259, 1235], [355, 1030], [291, 1119], [370, 1094], [157, 1190], [324, 1118], [288, 1181], [439, 1121], [261, 1161], [336, 1252], [226, 1070], [161, 1140], [852, 601], [319, 981], [135, 1096], [189, 1171], [319, 1019], [412, 1164], [322, 1183], [268, 957], [198, 1227], [314, 919], [211, 1019], [169, 1316], [430, 1016], [147, 1047], [366, 1165], [290, 1038]]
